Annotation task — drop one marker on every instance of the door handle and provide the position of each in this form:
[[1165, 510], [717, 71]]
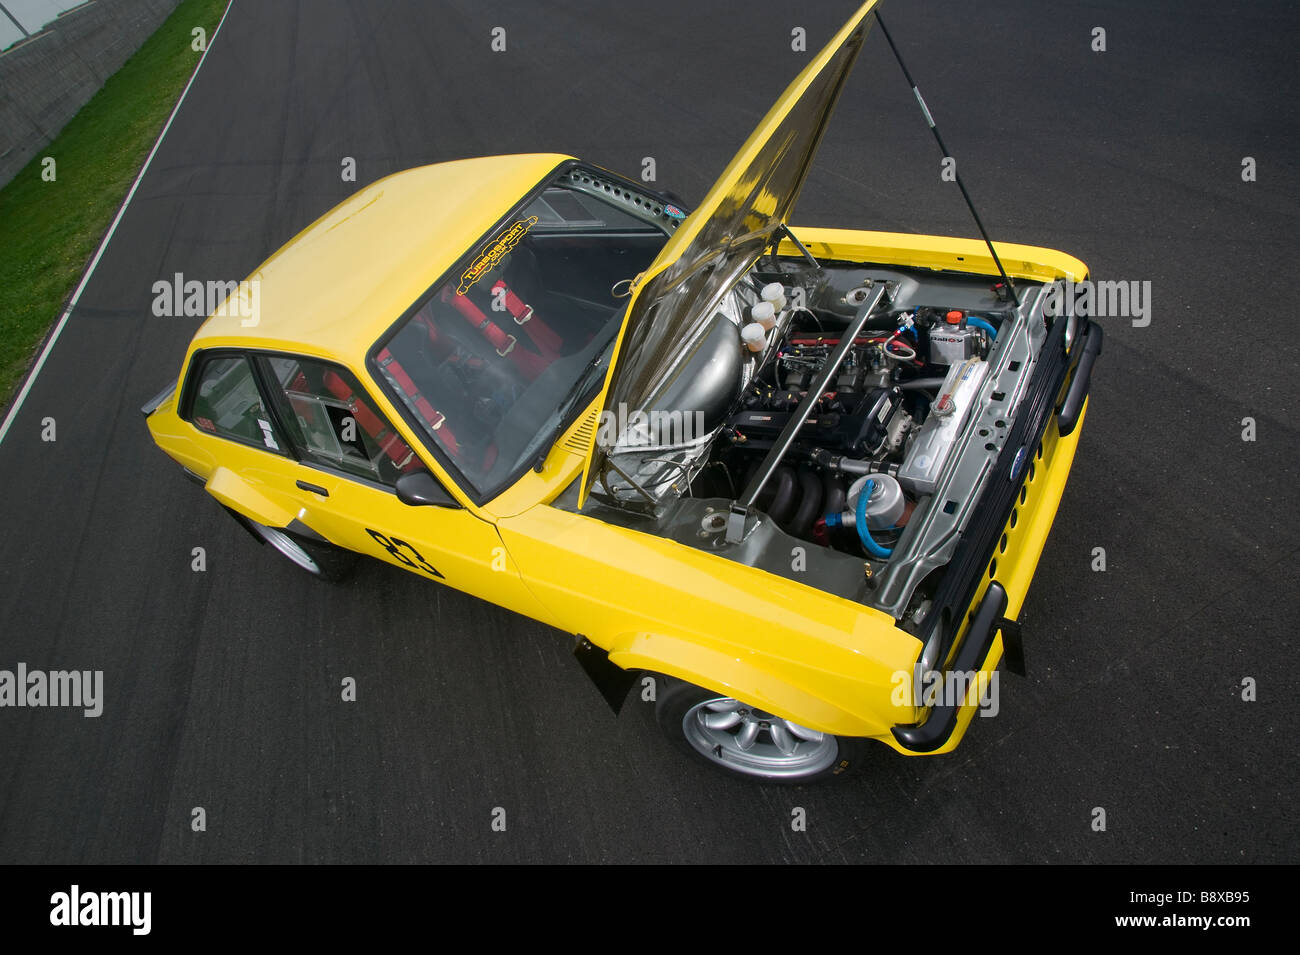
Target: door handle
[[314, 488]]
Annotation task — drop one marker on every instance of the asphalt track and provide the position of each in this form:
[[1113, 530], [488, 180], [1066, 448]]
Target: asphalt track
[[222, 687]]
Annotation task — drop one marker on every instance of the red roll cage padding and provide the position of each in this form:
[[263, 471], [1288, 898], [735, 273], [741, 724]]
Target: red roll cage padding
[[530, 364], [541, 333], [436, 420], [389, 442]]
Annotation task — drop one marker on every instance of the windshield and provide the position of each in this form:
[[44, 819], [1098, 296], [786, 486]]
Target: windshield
[[487, 365]]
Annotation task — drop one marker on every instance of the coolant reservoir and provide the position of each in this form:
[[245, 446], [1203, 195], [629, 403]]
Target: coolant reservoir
[[929, 451]]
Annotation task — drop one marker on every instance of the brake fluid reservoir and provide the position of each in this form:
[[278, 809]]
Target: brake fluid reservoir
[[774, 293], [765, 314], [930, 449], [753, 337]]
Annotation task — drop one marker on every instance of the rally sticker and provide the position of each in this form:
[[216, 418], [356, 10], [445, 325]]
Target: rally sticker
[[268, 436], [494, 252]]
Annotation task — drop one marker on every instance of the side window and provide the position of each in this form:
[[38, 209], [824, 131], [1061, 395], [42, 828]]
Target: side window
[[336, 423], [227, 402]]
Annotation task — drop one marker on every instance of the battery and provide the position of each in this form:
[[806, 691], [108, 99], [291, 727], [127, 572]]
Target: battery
[[925, 459]]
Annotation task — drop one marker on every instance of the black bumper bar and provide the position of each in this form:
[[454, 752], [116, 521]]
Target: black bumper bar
[[1077, 394], [956, 591], [938, 728]]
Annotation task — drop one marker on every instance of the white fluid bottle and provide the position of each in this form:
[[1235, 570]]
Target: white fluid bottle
[[753, 337], [765, 314], [774, 292]]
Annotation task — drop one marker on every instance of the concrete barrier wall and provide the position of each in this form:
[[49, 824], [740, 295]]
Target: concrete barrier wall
[[45, 80]]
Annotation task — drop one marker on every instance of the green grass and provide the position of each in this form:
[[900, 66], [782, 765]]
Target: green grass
[[49, 230]]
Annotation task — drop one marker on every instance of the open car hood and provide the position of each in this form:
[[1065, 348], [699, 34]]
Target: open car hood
[[673, 301]]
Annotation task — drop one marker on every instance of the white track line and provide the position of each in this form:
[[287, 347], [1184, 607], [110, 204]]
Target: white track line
[[90, 269]]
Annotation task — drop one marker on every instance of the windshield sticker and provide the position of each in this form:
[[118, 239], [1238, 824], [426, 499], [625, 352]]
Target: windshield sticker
[[494, 252]]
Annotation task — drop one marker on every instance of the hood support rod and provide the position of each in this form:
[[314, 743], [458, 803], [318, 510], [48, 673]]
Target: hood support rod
[[1010, 286], [784, 229]]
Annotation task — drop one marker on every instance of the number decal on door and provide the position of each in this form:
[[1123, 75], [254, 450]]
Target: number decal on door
[[404, 553]]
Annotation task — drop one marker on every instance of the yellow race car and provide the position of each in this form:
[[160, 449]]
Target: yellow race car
[[799, 478]]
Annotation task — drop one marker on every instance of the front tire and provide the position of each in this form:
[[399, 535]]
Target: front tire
[[745, 741]]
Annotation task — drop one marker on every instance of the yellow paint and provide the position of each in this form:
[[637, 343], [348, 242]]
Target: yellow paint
[[330, 293], [340, 283]]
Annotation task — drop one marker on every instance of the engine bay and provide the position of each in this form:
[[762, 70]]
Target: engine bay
[[845, 419]]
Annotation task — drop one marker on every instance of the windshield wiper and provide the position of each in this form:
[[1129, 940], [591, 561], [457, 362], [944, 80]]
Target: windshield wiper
[[578, 396]]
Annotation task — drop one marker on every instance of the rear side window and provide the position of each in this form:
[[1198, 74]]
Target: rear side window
[[335, 423], [227, 403]]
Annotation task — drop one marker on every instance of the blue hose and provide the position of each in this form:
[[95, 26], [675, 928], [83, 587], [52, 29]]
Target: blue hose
[[872, 548], [975, 321]]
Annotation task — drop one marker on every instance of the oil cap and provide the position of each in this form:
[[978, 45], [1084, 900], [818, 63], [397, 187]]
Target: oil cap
[[954, 317]]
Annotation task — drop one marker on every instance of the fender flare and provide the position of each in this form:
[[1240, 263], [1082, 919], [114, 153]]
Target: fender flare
[[241, 497], [724, 673]]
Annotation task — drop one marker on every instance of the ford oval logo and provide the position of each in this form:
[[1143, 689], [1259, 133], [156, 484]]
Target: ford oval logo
[[1018, 464]]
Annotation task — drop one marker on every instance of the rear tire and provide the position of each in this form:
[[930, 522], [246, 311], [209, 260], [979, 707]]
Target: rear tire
[[742, 740], [321, 559]]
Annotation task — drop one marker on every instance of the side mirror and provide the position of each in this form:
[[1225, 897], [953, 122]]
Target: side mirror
[[421, 489]]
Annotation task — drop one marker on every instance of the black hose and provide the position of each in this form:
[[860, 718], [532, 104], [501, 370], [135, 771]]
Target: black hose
[[833, 495], [730, 483], [764, 500], [921, 384], [810, 502], [783, 499]]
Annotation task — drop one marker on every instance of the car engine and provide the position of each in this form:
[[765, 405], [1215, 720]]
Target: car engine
[[898, 429]]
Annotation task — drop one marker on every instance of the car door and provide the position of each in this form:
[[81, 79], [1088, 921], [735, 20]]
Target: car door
[[348, 459]]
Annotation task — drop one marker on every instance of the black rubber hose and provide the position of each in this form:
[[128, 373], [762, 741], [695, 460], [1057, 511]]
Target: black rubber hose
[[833, 494], [834, 500], [810, 502], [922, 384], [764, 500], [783, 499]]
